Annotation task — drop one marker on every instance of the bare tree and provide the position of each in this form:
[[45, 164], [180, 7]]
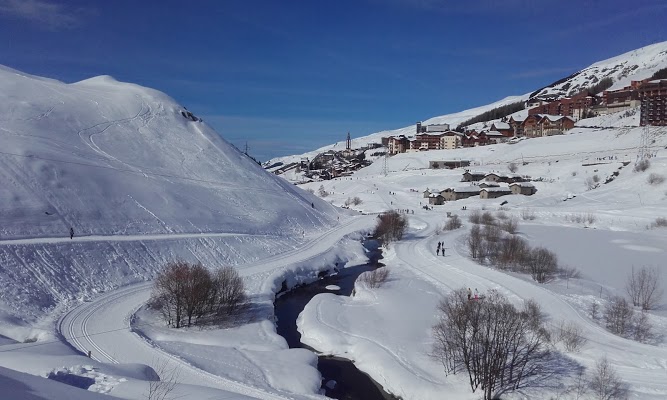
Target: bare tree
[[643, 286], [542, 264], [228, 295], [513, 167], [571, 335], [641, 327], [375, 278], [605, 383], [188, 294], [163, 381], [510, 225], [475, 241], [618, 316], [491, 340], [453, 222], [322, 191], [391, 226], [513, 251]]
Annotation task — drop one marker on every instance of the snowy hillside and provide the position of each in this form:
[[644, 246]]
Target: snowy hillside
[[634, 65], [111, 160]]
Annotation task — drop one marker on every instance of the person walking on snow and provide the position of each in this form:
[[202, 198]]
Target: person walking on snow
[[71, 233], [476, 294], [437, 252], [469, 293], [443, 251]]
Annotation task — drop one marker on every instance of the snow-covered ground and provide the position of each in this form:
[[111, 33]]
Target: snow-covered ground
[[142, 186]]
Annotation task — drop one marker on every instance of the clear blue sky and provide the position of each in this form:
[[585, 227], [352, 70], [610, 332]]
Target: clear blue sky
[[291, 76]]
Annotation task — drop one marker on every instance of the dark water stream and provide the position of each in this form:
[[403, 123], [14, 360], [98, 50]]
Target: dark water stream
[[350, 383]]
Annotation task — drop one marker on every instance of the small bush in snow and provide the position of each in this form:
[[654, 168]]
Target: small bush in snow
[[641, 327], [569, 273], [352, 201], [375, 278], [528, 215], [512, 167], [310, 190], [596, 178], [510, 225], [501, 215], [542, 264], [618, 316], [655, 179], [475, 217], [453, 222], [605, 382], [590, 183], [659, 222], [642, 165], [512, 252], [475, 242], [574, 173], [322, 191], [643, 287], [487, 219], [571, 335], [594, 310]]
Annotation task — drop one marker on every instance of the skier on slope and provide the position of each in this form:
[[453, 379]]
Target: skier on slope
[[71, 233]]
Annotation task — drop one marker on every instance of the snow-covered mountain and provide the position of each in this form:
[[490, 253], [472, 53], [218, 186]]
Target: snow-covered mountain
[[637, 64], [112, 159]]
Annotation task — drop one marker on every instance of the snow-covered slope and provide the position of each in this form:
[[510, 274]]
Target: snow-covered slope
[[119, 163], [634, 65], [637, 64]]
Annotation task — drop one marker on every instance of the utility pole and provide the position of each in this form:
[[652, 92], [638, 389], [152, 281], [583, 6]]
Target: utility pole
[[246, 148], [384, 165]]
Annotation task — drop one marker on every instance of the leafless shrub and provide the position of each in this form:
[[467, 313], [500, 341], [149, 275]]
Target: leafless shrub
[[469, 332], [659, 222], [391, 226], [594, 310], [510, 225], [574, 173], [641, 327], [513, 251], [453, 222], [542, 264], [605, 382], [375, 278], [163, 382], [655, 179], [618, 316], [487, 219], [571, 335], [322, 191], [352, 201], [475, 217], [596, 178], [643, 286], [491, 233], [581, 218], [590, 183], [475, 242], [501, 215], [310, 190], [527, 214], [642, 165], [228, 295], [512, 167]]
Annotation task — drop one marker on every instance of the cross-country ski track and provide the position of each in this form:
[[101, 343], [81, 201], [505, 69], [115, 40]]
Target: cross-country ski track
[[103, 326]]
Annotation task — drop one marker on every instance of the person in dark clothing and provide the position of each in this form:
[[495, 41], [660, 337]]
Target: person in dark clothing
[[71, 233]]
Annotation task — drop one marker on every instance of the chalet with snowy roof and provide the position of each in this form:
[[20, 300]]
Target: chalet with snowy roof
[[436, 199], [473, 176], [494, 137], [494, 192], [502, 127], [452, 194], [525, 188], [516, 123], [488, 185]]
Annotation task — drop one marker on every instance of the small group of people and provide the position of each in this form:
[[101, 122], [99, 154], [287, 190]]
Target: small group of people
[[441, 249], [470, 294]]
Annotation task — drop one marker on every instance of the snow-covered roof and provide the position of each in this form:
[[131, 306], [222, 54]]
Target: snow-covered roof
[[496, 189], [501, 125], [493, 134], [467, 189], [523, 184]]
